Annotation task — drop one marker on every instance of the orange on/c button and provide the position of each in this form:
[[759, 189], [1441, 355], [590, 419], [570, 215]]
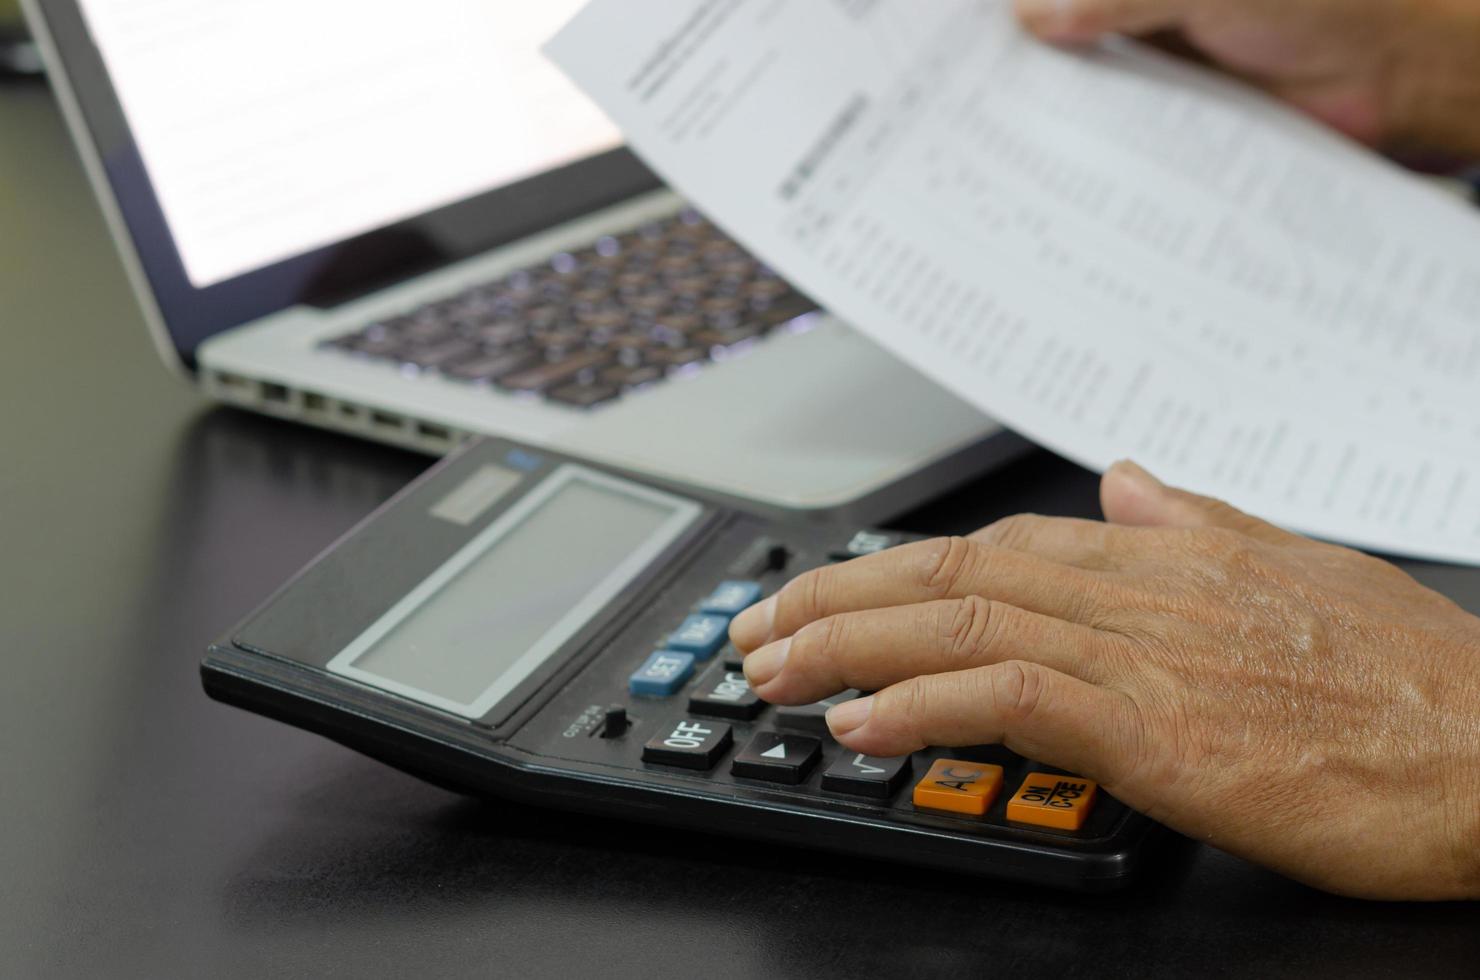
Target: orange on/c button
[[1060, 802], [959, 787]]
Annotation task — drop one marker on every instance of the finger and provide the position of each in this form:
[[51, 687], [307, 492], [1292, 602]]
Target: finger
[[1036, 712], [1130, 495], [873, 649], [1078, 21], [1085, 544], [942, 568]]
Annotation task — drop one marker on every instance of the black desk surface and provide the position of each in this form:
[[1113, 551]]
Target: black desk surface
[[147, 831]]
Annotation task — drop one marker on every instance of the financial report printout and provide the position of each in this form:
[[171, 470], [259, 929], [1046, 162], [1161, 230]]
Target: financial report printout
[[1117, 254]]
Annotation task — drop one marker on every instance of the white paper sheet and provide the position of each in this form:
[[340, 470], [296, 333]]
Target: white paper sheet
[[1116, 254]]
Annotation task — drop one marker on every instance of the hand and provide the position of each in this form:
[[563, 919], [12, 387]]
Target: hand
[[1394, 72], [1299, 704]]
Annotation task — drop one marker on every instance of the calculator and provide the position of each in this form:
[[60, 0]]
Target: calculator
[[526, 626]]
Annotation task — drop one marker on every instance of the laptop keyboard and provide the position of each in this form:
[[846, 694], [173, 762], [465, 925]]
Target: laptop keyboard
[[592, 325]]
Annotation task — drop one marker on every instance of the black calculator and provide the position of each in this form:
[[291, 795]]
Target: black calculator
[[525, 626]]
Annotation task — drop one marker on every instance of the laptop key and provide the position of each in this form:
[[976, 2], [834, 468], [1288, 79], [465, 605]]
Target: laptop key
[[631, 376], [552, 373], [436, 355], [584, 395], [491, 367]]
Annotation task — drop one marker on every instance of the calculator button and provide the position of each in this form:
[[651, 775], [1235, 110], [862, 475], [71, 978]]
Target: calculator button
[[777, 757], [730, 658], [701, 635], [959, 787], [866, 775], [725, 694], [1060, 802], [662, 673], [865, 543], [689, 743], [731, 598], [811, 717]]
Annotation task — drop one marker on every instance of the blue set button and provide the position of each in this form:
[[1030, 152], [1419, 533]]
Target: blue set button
[[662, 673], [731, 598], [701, 634]]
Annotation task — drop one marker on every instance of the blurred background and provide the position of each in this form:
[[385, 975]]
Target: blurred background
[[17, 54]]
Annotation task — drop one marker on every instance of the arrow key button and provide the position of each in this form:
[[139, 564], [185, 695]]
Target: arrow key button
[[777, 757]]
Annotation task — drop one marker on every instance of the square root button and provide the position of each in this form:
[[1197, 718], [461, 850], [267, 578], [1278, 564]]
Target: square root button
[[865, 775], [777, 757]]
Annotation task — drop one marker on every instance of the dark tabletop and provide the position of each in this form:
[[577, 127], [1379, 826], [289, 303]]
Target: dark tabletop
[[148, 831]]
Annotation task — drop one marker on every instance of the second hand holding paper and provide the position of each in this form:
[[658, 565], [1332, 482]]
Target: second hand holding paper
[[1114, 253]]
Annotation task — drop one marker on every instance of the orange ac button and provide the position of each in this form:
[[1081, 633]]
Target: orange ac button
[[959, 787], [1060, 802]]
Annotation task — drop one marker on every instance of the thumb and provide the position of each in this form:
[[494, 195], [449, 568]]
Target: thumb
[[1077, 21], [1130, 495]]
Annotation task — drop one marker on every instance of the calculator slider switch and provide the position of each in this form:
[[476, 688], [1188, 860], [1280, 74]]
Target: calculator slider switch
[[1060, 802], [959, 787], [689, 744], [615, 722]]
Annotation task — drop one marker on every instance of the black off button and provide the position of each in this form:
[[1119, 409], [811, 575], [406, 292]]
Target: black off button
[[689, 744]]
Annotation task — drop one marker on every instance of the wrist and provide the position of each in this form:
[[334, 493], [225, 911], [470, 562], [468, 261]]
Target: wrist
[[1433, 95], [1462, 769]]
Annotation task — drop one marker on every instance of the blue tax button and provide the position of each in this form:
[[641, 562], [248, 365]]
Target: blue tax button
[[701, 635], [661, 674], [731, 598]]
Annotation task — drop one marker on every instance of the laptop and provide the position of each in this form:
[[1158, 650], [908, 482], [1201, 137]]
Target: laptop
[[398, 220]]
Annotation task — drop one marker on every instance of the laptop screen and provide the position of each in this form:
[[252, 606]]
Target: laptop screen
[[271, 128]]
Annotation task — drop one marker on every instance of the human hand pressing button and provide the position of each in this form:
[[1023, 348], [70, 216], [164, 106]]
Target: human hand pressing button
[[1296, 703]]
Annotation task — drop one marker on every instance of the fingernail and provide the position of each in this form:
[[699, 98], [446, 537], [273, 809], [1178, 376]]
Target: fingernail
[[753, 626], [762, 666], [1132, 471], [849, 716]]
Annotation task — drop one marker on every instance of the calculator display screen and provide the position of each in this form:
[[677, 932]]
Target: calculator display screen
[[508, 600]]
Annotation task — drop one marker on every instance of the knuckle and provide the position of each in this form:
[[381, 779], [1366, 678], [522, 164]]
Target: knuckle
[[1014, 531], [971, 625], [948, 565], [809, 594], [823, 641], [1016, 690]]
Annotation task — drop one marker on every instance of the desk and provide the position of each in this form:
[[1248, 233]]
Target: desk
[[148, 831]]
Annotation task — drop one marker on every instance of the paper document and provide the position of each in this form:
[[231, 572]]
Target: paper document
[[1115, 253]]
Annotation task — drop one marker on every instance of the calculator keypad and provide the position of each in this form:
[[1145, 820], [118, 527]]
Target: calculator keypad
[[784, 745]]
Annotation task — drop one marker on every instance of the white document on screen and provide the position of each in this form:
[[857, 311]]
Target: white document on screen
[[1116, 254]]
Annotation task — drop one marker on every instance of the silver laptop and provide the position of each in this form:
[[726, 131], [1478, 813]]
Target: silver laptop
[[399, 220]]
